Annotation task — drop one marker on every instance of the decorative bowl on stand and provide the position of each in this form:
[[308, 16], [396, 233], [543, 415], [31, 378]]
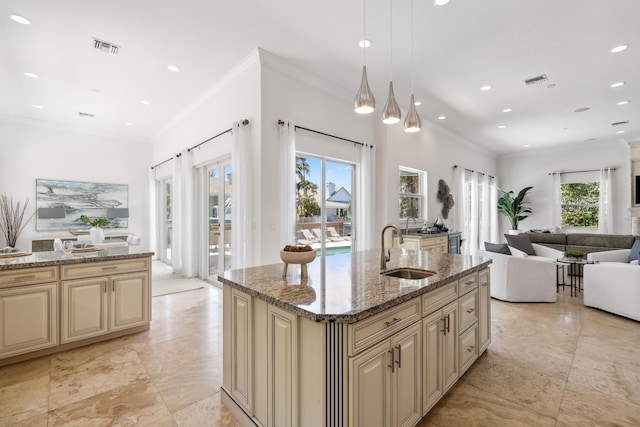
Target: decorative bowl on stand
[[301, 257]]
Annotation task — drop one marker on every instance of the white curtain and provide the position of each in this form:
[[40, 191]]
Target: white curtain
[[154, 230], [605, 214], [288, 183], [484, 226], [494, 235], [176, 216], [474, 222], [458, 199], [365, 193], [556, 201], [241, 197], [187, 220]]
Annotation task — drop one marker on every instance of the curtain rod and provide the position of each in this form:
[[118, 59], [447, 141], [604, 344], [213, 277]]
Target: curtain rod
[[282, 123], [243, 123], [162, 163], [471, 170], [589, 170]]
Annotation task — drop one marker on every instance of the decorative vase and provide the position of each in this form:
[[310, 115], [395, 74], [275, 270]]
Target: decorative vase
[[96, 235]]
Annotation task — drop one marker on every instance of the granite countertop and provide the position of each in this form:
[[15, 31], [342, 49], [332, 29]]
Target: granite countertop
[[50, 258], [348, 287]]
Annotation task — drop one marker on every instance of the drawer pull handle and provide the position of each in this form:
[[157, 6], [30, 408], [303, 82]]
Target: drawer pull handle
[[469, 283], [470, 348], [484, 283], [32, 276], [110, 268], [393, 356], [471, 310], [393, 322]]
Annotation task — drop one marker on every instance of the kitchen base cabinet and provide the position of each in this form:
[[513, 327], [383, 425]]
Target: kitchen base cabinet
[[484, 310], [28, 318], [84, 309]]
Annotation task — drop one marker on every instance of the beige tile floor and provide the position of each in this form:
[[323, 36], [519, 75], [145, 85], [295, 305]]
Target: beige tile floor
[[556, 364]]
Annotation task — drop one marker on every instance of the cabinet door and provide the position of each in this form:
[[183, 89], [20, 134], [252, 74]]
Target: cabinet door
[[370, 387], [241, 348], [450, 345], [129, 300], [484, 311], [28, 319], [468, 348], [407, 387], [432, 340], [84, 308], [282, 368], [408, 243]]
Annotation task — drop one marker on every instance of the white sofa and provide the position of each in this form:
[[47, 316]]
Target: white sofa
[[522, 278], [612, 284]]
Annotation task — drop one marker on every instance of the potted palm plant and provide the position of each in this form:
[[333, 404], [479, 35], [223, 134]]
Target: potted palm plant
[[514, 208]]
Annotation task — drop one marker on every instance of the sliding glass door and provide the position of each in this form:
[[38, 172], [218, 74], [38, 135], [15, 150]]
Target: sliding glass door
[[324, 203], [165, 219], [219, 211]]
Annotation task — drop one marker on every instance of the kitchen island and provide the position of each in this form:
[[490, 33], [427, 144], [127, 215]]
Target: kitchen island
[[347, 346], [54, 301]]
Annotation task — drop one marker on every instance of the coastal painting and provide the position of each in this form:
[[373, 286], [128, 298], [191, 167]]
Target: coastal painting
[[79, 198]]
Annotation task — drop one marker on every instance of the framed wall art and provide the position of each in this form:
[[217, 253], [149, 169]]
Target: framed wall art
[[92, 199]]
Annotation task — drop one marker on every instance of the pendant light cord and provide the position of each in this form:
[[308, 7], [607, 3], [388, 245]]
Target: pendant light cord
[[390, 40], [412, 60], [364, 32]]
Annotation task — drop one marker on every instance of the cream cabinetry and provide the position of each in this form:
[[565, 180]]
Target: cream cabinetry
[[241, 348], [53, 308], [28, 318], [98, 305], [424, 243], [409, 243], [385, 381], [484, 310]]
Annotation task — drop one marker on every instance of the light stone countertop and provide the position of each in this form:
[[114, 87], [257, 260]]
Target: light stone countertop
[[348, 287], [51, 258]]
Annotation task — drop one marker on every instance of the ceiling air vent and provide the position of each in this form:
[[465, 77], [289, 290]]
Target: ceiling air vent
[[620, 123], [539, 79], [86, 115], [106, 47]]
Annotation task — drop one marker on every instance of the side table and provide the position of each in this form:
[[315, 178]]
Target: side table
[[576, 267]]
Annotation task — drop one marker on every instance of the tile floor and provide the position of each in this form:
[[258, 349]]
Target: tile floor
[[556, 364]]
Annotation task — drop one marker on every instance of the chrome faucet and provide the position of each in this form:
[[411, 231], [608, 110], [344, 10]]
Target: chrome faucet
[[406, 227], [384, 258]]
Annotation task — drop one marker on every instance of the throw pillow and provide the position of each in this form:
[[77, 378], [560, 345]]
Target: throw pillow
[[499, 248], [521, 242], [635, 251]]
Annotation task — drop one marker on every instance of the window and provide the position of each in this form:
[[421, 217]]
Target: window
[[411, 194], [579, 204]]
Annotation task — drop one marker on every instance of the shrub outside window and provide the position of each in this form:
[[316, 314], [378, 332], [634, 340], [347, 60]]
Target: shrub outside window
[[411, 193], [580, 204]]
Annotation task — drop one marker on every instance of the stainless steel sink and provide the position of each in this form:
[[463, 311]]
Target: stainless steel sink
[[409, 273]]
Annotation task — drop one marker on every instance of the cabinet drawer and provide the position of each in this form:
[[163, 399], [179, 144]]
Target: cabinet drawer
[[438, 298], [468, 348], [467, 283], [468, 309], [104, 268], [367, 332], [19, 277]]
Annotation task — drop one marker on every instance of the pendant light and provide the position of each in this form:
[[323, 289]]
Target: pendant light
[[364, 103], [391, 113], [412, 122]]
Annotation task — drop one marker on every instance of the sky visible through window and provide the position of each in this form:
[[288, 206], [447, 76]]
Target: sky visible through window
[[338, 173]]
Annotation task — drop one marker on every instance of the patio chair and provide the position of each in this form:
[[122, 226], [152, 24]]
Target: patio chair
[[334, 234], [309, 236]]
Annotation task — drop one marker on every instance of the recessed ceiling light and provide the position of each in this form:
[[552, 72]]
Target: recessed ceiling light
[[440, 2], [502, 127], [486, 87], [507, 110], [146, 103], [442, 117], [129, 124], [582, 109], [619, 48], [31, 75], [526, 146], [417, 103], [622, 103], [364, 43], [617, 84], [173, 68], [38, 107], [20, 19], [620, 131]]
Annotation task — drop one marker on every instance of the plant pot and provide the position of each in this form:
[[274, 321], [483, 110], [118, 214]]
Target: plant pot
[[96, 235], [514, 232]]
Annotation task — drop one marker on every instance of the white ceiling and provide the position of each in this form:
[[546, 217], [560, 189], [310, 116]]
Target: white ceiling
[[458, 48]]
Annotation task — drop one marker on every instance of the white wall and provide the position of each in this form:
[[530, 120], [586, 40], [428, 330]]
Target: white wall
[[33, 151], [532, 169]]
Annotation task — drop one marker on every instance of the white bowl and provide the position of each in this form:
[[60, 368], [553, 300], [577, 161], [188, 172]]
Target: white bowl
[[297, 257]]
